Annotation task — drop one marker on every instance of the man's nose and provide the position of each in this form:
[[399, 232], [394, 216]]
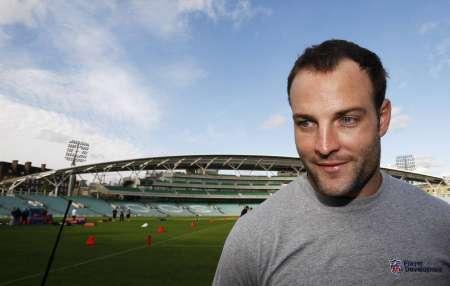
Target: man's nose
[[327, 141]]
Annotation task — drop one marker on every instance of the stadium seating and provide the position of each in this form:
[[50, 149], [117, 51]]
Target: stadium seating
[[192, 192], [173, 209], [9, 203], [4, 212], [159, 191], [275, 183], [224, 192], [138, 209], [99, 207], [57, 205], [253, 193], [88, 206], [122, 189], [230, 209], [202, 209]]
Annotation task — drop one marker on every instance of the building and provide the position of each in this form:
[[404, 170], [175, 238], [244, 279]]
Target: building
[[11, 170]]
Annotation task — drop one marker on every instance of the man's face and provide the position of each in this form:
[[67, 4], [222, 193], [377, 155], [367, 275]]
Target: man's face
[[337, 130]]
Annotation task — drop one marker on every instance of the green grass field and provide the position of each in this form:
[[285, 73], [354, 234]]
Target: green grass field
[[181, 256]]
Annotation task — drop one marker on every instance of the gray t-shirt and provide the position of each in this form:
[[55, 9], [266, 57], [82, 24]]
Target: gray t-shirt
[[398, 236]]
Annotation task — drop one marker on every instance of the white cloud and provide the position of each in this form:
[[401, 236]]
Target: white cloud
[[81, 34], [92, 77], [440, 51], [41, 136], [244, 11], [87, 43], [83, 72], [25, 12], [171, 17], [183, 74], [427, 27], [4, 38], [437, 68], [160, 17], [398, 119], [209, 135], [427, 162], [206, 6], [91, 80], [108, 92], [429, 165], [274, 121], [52, 136], [440, 57]]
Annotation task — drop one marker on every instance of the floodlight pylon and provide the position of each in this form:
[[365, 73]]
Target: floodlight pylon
[[76, 152]]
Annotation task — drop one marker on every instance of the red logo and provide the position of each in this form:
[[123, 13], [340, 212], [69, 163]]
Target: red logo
[[395, 265]]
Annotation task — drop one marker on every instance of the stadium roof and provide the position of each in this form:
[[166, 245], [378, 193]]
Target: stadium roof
[[203, 163]]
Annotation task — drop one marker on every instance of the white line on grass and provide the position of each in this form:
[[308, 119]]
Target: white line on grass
[[105, 256]]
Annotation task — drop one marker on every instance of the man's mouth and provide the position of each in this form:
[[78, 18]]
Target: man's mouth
[[331, 166]]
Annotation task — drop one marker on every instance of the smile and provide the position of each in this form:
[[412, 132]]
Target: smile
[[331, 167]]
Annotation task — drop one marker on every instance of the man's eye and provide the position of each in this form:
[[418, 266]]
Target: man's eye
[[304, 123], [349, 120]]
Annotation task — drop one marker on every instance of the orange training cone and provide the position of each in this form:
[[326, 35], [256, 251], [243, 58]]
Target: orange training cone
[[149, 240], [161, 229], [193, 224], [90, 241]]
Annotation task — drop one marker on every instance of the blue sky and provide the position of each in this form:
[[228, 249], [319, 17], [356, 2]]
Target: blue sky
[[148, 78]]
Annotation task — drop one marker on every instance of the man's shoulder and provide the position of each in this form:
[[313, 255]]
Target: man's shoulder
[[259, 225], [283, 203], [289, 195], [414, 196]]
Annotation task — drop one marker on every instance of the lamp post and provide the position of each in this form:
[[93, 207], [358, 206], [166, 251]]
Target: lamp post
[[76, 152]]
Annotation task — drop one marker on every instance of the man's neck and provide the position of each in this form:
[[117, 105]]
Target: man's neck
[[372, 185]]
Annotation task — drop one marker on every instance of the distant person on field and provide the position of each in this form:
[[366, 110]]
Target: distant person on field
[[74, 214], [16, 216], [128, 213], [343, 221], [25, 214], [114, 213], [244, 210], [121, 216]]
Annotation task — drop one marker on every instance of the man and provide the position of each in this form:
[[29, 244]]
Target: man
[[114, 213], [74, 214], [128, 213], [244, 210], [25, 214], [344, 222], [16, 214], [121, 215]]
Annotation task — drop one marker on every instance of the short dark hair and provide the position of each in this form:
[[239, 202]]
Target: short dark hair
[[327, 55]]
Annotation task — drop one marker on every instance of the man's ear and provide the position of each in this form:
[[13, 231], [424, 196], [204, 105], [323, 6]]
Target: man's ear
[[384, 117]]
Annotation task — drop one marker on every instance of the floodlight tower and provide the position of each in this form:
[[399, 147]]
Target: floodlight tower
[[76, 152]]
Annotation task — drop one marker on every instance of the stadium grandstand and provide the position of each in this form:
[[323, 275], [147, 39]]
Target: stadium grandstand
[[193, 185]]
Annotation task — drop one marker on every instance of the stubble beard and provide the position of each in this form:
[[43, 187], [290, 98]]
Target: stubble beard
[[354, 179]]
